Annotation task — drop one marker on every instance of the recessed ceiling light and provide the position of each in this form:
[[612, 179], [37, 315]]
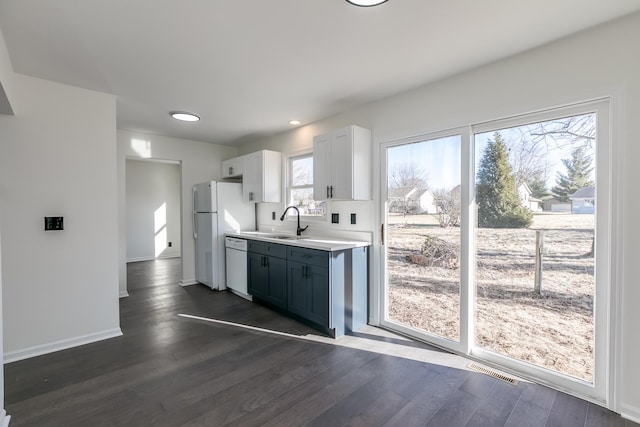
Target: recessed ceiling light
[[184, 116], [294, 122], [366, 3]]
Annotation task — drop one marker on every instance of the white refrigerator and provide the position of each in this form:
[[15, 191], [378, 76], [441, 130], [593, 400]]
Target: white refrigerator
[[218, 208]]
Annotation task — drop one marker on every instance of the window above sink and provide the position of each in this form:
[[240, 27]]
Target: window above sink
[[300, 187]]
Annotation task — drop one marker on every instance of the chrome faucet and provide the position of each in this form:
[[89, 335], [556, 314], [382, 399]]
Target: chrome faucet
[[299, 230]]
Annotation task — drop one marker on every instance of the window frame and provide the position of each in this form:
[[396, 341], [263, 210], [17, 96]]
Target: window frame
[[290, 158]]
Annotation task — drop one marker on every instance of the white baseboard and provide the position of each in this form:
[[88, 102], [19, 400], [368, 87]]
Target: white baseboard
[[124, 294], [4, 419], [152, 258], [631, 413], [188, 282], [14, 356]]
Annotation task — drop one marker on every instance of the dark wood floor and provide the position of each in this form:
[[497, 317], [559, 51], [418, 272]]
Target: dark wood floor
[[169, 370]]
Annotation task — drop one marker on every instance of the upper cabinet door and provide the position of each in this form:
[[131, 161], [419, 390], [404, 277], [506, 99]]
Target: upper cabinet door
[[342, 164], [233, 168], [321, 166], [261, 179], [251, 180]]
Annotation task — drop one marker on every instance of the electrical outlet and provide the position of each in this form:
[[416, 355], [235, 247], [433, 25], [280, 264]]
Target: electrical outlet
[[335, 218], [273, 216], [169, 244], [353, 218]]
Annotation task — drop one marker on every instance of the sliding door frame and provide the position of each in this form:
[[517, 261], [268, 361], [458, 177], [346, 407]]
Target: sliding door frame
[[465, 272], [607, 296]]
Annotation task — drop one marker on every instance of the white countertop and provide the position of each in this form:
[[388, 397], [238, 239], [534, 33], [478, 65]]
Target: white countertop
[[311, 242]]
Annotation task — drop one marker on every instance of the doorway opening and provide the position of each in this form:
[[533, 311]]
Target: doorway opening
[[153, 213]]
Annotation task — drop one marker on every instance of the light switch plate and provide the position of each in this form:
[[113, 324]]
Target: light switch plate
[[53, 223]]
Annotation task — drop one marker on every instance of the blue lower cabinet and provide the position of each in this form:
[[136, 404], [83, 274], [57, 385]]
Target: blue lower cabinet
[[308, 292], [277, 291], [257, 284], [267, 278], [327, 289]]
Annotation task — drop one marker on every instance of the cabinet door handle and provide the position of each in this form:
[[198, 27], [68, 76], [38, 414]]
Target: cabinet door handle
[[327, 191]]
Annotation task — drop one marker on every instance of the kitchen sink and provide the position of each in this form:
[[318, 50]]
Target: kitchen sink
[[287, 237]]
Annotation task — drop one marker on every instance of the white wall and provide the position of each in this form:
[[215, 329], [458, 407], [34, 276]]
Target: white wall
[[6, 76], [601, 62], [58, 158], [200, 161], [152, 195], [4, 419]]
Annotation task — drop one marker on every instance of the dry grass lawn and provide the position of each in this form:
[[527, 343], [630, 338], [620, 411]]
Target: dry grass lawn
[[553, 330]]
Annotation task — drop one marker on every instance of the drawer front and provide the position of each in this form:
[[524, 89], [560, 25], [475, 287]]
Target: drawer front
[[308, 256], [266, 248]]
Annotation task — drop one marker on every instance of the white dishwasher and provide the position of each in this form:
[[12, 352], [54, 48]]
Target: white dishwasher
[[236, 263]]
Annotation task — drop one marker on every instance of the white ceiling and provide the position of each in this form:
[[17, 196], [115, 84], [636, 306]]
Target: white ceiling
[[249, 66]]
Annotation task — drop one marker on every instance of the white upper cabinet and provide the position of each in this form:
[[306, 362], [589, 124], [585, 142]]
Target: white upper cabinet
[[342, 164], [233, 168], [261, 178]]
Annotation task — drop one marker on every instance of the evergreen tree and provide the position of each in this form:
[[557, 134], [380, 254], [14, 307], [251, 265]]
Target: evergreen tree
[[499, 205], [538, 186], [579, 169]]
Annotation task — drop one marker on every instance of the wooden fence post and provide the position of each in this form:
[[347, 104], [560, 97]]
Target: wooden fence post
[[537, 286]]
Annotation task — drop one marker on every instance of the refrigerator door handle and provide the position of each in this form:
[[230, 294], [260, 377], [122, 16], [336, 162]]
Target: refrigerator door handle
[[195, 223], [195, 197], [195, 226]]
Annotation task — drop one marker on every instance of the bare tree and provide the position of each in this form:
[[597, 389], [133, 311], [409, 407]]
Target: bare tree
[[302, 173], [448, 207], [529, 152], [567, 130], [528, 158], [408, 175]]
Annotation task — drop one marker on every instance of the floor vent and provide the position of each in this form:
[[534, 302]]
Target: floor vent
[[492, 373]]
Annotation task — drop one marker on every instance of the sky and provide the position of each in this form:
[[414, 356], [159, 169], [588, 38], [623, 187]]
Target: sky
[[440, 159]]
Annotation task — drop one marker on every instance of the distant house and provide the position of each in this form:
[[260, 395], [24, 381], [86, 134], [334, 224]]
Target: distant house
[[400, 200], [425, 200], [554, 204], [411, 200], [583, 201], [526, 198]]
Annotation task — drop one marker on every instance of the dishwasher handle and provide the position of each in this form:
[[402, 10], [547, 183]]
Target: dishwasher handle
[[235, 243]]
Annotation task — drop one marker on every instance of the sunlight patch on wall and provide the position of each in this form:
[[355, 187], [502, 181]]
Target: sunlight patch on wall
[[231, 222], [160, 229], [141, 147]]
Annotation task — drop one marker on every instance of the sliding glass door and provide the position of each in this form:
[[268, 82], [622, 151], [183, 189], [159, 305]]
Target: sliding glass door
[[423, 215], [497, 243]]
